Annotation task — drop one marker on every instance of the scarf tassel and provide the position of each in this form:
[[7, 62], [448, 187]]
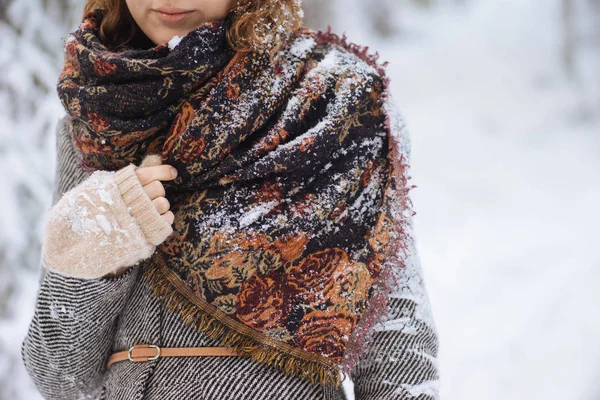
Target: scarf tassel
[[162, 287]]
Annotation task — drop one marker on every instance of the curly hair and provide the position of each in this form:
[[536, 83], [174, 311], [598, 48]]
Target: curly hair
[[254, 24]]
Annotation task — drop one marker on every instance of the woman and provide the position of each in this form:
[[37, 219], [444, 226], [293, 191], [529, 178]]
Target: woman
[[231, 215]]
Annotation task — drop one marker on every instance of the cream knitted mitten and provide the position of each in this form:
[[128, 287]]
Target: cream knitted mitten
[[104, 225]]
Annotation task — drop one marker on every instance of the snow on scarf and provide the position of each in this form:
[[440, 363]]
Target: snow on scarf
[[291, 204]]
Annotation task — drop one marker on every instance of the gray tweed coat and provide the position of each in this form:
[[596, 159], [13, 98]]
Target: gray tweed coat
[[78, 323]]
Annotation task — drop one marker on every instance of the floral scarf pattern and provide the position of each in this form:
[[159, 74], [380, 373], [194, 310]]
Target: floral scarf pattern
[[291, 203]]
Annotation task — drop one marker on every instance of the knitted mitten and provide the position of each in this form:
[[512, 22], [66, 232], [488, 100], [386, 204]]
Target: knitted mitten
[[104, 225]]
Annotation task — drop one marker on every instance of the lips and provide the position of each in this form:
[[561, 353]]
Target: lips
[[172, 16]]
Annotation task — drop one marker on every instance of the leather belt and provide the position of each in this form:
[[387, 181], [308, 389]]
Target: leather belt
[[149, 352]]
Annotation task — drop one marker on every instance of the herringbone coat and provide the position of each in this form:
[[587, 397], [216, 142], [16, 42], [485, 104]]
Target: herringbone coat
[[78, 323]]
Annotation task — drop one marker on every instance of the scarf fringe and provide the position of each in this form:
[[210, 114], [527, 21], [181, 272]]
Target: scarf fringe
[[361, 52], [163, 288], [397, 249]]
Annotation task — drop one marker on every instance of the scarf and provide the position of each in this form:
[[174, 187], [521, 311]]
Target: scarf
[[291, 203]]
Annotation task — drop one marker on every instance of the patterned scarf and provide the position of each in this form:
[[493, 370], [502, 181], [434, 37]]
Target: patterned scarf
[[291, 204]]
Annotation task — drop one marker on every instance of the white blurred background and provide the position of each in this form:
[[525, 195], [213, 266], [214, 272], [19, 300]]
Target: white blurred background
[[502, 99]]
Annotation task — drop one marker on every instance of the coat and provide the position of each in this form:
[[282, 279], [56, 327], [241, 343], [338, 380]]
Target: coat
[[78, 323]]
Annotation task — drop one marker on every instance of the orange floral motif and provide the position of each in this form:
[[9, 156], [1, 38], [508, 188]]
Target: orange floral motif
[[304, 205], [193, 149], [234, 259], [273, 139], [378, 243], [323, 279], [68, 70], [290, 247], [103, 67], [325, 332], [89, 146], [367, 173], [351, 283], [218, 272], [68, 85], [233, 91], [261, 303], [183, 119], [269, 191], [329, 277], [176, 243], [71, 50], [129, 138], [237, 65], [306, 143], [313, 275], [99, 124]]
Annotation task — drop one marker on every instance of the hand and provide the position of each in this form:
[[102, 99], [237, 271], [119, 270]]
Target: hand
[[150, 178]]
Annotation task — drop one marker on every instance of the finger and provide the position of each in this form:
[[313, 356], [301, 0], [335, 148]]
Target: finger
[[163, 172], [155, 189], [161, 204], [169, 217]]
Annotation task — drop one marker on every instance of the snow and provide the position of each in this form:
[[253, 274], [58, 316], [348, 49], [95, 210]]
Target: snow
[[104, 223], [175, 40], [366, 200], [77, 215], [255, 213], [403, 325], [348, 387], [504, 154], [428, 388], [302, 46]]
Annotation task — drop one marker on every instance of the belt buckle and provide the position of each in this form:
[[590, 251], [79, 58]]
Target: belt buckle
[[143, 346]]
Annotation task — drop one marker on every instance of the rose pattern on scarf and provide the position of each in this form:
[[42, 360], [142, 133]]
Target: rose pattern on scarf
[[296, 302], [104, 67]]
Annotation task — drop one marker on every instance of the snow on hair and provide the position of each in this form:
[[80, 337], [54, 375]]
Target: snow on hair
[[255, 23]]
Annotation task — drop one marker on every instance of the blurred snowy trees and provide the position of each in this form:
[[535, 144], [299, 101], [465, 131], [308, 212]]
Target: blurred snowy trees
[[377, 15], [30, 57], [580, 31]]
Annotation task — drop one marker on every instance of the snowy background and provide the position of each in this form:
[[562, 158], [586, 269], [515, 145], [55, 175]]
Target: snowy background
[[502, 98]]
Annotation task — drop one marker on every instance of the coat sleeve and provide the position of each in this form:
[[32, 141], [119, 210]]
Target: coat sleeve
[[71, 332], [401, 360]]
